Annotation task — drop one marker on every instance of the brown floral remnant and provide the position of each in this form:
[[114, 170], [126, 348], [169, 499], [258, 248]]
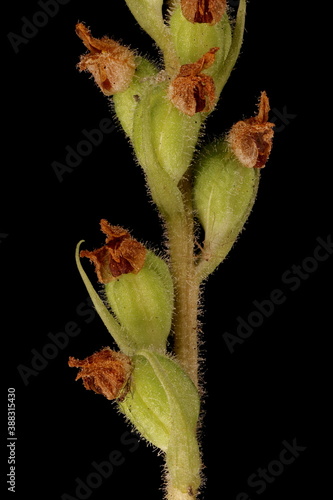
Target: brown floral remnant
[[191, 91], [251, 140], [203, 11], [121, 254], [111, 64], [106, 372]]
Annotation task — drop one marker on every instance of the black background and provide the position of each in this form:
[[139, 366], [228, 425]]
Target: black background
[[271, 388]]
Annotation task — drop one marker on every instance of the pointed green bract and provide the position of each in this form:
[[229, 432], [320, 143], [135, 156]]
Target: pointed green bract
[[113, 327]]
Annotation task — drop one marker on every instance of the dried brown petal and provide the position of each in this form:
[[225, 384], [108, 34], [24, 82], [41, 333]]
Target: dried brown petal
[[121, 254], [106, 372], [111, 64], [203, 11], [251, 140], [192, 91]]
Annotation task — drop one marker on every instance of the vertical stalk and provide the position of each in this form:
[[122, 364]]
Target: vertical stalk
[[181, 241], [180, 229], [175, 206]]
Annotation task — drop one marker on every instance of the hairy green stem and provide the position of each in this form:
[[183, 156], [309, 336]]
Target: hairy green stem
[[181, 248], [113, 327]]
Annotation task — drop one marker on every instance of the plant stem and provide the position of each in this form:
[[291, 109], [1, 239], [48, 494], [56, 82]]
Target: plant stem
[[180, 231]]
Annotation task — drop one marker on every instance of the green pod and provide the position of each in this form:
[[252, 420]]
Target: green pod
[[224, 193], [163, 405], [143, 303], [125, 102], [192, 40], [163, 136]]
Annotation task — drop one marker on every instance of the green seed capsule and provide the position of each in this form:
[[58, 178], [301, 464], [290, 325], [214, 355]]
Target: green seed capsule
[[163, 405], [224, 193], [163, 136], [125, 102], [143, 303]]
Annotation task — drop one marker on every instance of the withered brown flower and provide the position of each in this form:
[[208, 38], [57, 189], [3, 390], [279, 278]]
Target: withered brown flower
[[203, 11], [106, 372], [191, 91], [251, 140], [121, 254], [111, 64]]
